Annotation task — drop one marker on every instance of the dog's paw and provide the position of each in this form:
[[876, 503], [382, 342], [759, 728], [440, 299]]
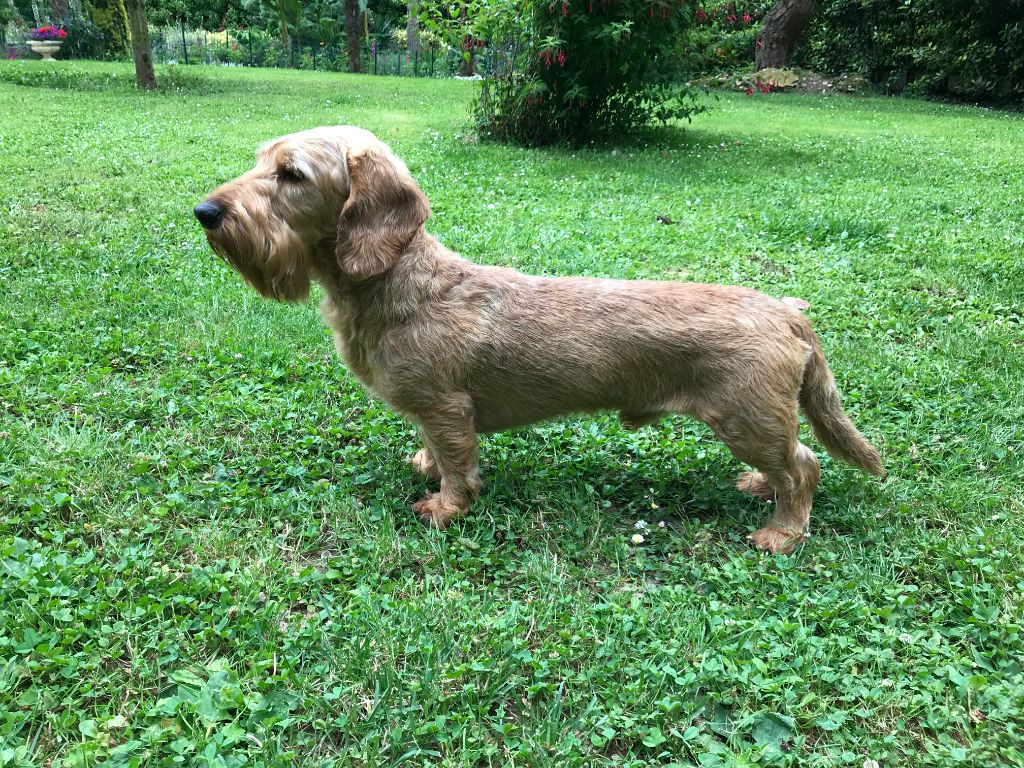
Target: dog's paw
[[424, 463], [756, 484], [775, 539], [433, 513]]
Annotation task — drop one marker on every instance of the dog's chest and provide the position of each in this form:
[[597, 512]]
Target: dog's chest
[[353, 342], [341, 317]]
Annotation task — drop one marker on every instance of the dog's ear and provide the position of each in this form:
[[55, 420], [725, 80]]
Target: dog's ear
[[384, 210]]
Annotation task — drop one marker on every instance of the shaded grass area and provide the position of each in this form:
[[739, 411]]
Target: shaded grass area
[[206, 546]]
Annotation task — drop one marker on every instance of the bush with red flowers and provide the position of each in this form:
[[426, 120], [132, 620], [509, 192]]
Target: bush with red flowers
[[725, 35], [48, 33], [576, 71]]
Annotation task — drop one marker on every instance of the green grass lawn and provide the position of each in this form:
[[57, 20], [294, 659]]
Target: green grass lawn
[[207, 552]]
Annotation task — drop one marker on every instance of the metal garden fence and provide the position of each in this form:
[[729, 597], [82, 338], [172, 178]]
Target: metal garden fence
[[382, 55]]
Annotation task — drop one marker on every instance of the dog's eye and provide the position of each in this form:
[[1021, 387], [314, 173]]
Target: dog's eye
[[290, 174]]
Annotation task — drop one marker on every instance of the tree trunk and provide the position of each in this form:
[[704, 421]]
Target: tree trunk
[[467, 62], [412, 27], [141, 50], [352, 41], [783, 26]]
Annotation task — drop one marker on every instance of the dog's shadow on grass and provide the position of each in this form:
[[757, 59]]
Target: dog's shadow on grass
[[612, 481], [613, 486]]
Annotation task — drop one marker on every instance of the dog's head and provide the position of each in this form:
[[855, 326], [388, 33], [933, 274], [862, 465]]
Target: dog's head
[[330, 203]]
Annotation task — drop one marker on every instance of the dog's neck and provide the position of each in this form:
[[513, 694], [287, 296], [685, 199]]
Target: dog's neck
[[425, 270]]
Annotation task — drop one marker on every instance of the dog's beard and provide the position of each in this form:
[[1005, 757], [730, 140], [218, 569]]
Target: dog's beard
[[275, 267]]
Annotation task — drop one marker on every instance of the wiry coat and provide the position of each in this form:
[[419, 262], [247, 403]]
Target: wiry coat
[[461, 348]]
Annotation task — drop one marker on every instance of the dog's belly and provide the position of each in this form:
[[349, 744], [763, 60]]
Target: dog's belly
[[491, 421], [509, 398]]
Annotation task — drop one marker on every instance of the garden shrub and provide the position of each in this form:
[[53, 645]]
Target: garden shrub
[[84, 41], [110, 18], [724, 36], [974, 49], [575, 71]]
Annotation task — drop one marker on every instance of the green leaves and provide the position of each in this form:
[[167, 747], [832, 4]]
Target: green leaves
[[927, 47], [772, 730], [654, 738], [607, 69]]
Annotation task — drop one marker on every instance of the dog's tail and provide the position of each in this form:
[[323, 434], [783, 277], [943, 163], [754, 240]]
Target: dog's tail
[[820, 401]]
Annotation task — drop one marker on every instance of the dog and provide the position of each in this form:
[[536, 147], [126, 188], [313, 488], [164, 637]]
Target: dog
[[461, 349]]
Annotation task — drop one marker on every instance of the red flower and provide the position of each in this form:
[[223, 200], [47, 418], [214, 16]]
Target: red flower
[[746, 18], [48, 32], [750, 91], [701, 16]]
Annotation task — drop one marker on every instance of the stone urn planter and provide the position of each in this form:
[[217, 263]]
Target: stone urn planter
[[45, 48]]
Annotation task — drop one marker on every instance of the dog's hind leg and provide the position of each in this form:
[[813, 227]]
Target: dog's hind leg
[[450, 439], [423, 462], [767, 439], [756, 484], [794, 494]]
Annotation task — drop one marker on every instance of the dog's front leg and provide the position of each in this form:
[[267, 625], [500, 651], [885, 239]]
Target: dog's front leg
[[450, 439]]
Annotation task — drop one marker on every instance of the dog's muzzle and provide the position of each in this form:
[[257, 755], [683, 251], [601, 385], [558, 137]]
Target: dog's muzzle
[[209, 214]]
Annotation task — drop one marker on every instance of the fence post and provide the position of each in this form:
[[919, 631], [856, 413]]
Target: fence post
[[399, 68], [314, 57], [431, 61], [250, 46], [184, 44], [293, 51], [375, 59], [416, 63]]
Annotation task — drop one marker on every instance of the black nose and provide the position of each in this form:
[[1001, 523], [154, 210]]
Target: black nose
[[208, 213]]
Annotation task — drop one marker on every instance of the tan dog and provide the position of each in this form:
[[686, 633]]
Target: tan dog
[[460, 348]]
